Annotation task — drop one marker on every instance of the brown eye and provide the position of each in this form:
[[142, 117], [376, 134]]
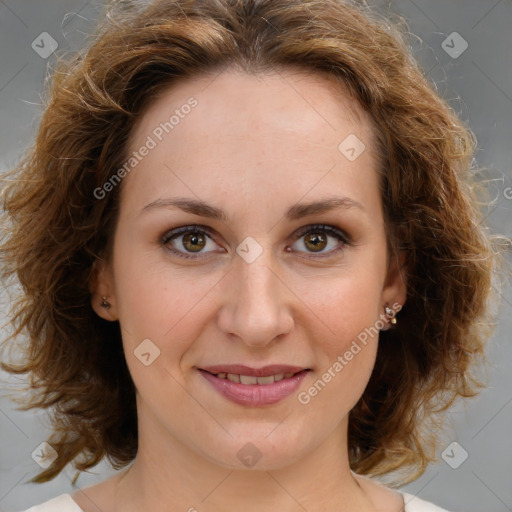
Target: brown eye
[[315, 241], [193, 242], [317, 238]]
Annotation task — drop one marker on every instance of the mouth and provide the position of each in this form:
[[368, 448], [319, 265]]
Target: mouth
[[256, 387], [251, 379]]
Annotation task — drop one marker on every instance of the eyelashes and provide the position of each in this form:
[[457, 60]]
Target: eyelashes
[[195, 235]]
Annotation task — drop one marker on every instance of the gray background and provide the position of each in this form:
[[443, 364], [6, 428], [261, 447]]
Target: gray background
[[478, 85]]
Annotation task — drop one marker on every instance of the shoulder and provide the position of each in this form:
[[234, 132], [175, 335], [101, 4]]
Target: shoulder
[[62, 503], [392, 499], [415, 504]]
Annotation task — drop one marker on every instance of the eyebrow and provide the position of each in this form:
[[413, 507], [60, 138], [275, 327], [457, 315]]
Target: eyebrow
[[295, 212]]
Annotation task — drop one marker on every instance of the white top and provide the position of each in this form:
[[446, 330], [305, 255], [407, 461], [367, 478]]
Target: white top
[[64, 503]]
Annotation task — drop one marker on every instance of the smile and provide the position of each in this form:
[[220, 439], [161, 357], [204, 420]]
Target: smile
[[251, 380], [254, 391]]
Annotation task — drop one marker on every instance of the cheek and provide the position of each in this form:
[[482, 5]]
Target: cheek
[[352, 336], [157, 303], [347, 304], [346, 341], [345, 352]]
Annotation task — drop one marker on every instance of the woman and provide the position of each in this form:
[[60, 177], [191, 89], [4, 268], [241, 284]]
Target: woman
[[251, 264]]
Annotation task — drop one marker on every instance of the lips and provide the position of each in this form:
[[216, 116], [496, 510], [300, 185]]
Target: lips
[[266, 371], [254, 386]]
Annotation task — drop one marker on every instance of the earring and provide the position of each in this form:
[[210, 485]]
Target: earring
[[105, 304], [390, 313]]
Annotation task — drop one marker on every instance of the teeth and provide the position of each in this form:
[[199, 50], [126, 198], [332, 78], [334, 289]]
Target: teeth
[[261, 380], [251, 380], [244, 379]]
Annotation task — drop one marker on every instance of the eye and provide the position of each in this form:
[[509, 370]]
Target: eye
[[189, 241], [315, 239], [193, 240]]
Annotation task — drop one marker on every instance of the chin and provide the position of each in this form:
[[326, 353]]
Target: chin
[[258, 449]]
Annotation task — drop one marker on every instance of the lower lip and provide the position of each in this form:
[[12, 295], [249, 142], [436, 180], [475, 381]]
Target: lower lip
[[255, 395]]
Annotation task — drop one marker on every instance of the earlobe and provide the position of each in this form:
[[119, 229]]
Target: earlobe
[[102, 291]]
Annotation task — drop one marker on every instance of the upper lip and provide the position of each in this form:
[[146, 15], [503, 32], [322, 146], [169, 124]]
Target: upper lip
[[241, 369]]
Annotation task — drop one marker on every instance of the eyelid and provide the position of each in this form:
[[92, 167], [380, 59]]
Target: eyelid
[[343, 239], [176, 232], [327, 228], [205, 230]]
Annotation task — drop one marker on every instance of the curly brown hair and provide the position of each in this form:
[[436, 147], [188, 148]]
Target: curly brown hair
[[58, 228]]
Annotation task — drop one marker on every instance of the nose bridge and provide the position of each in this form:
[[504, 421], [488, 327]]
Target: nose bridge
[[258, 282], [259, 312]]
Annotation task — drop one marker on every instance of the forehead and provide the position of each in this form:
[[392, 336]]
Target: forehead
[[287, 100], [237, 131]]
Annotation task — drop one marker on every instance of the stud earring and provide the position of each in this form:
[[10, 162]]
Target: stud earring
[[105, 304], [390, 313]]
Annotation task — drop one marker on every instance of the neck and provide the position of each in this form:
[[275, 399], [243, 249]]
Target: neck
[[167, 474]]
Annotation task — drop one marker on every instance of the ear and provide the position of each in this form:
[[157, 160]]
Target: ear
[[101, 285], [394, 293]]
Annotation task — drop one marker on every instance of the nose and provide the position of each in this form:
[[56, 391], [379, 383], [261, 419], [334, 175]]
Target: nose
[[257, 309]]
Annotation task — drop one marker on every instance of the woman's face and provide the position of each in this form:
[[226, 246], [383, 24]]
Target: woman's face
[[263, 277]]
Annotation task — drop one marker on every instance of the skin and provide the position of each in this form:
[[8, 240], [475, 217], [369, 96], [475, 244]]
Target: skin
[[253, 146]]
